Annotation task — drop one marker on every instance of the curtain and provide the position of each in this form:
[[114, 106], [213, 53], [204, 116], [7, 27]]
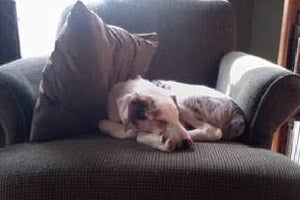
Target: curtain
[[9, 35]]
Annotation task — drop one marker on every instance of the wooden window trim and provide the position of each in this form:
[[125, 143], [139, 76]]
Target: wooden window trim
[[289, 18]]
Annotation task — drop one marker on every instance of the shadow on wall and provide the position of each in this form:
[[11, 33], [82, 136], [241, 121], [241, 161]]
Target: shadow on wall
[[258, 26], [244, 12]]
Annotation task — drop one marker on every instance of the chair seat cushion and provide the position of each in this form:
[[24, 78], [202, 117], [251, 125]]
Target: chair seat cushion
[[106, 168]]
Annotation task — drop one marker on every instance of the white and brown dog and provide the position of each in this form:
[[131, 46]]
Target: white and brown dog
[[207, 113], [139, 109]]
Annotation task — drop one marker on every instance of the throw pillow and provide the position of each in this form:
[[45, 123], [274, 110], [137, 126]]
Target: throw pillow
[[89, 57]]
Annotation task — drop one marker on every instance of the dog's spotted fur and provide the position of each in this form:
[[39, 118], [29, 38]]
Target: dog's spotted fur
[[209, 114]]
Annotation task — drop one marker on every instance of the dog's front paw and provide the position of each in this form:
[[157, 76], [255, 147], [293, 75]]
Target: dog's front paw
[[214, 134], [169, 144], [104, 125]]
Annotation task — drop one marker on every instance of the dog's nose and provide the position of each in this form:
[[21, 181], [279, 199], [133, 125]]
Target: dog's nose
[[186, 144]]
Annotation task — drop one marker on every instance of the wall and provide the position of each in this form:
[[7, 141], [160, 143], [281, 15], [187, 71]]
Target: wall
[[258, 26], [266, 26], [244, 14]]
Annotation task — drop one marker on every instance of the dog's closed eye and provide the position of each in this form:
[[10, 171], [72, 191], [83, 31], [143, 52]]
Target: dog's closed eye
[[139, 109], [153, 114], [162, 123]]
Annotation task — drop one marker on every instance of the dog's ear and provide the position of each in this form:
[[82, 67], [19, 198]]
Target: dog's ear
[[132, 107], [124, 108], [173, 96]]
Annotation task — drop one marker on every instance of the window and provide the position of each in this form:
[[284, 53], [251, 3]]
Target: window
[[38, 21]]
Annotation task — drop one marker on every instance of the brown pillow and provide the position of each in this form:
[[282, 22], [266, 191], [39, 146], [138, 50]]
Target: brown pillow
[[89, 58]]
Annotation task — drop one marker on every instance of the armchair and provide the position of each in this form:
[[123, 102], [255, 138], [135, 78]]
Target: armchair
[[197, 41]]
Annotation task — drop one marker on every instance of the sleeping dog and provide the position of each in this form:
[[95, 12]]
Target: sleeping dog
[[209, 114], [139, 109]]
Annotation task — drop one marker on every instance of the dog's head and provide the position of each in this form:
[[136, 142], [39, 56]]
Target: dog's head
[[154, 114]]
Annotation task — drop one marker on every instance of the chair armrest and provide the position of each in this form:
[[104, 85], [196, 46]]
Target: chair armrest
[[267, 93], [19, 81]]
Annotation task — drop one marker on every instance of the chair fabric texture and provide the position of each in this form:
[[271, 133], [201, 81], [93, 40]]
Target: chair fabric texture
[[267, 93], [105, 168], [19, 83]]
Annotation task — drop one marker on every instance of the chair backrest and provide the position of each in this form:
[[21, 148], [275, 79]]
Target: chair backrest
[[193, 34]]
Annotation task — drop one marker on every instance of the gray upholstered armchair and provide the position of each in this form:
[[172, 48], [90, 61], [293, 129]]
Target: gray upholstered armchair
[[197, 41]]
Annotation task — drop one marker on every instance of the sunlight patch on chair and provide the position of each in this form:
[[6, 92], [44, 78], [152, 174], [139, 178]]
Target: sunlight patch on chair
[[243, 65]]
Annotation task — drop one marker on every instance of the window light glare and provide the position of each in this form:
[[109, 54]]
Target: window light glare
[[38, 21]]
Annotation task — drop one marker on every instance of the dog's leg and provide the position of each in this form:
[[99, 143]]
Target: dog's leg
[[188, 117], [205, 132], [156, 141], [116, 129]]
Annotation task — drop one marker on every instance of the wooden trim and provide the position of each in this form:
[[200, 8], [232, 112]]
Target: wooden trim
[[288, 20], [279, 139]]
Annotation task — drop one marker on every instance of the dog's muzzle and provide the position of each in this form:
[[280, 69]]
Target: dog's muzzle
[[186, 144]]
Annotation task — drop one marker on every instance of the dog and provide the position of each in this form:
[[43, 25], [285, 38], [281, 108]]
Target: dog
[[140, 110], [208, 114]]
